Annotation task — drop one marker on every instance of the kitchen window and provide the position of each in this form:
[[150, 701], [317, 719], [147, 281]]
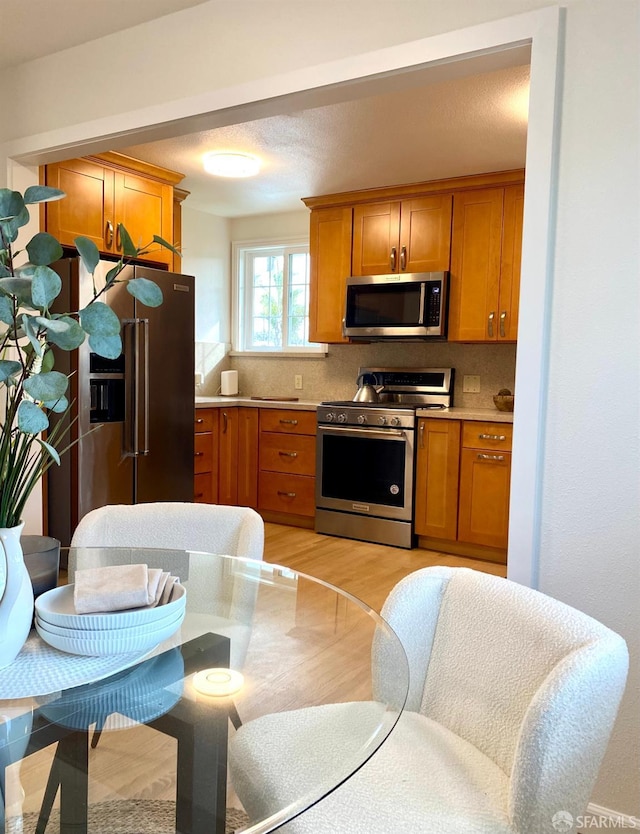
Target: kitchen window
[[272, 297]]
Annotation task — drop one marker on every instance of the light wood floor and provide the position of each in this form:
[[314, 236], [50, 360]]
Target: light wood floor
[[368, 571]]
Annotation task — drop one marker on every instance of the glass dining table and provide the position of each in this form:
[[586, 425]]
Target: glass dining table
[[147, 737]]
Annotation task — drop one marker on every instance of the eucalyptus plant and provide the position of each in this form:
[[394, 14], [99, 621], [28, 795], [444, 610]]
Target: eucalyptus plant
[[29, 330]]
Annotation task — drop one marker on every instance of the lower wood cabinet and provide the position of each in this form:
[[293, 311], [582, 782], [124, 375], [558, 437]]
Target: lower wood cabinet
[[257, 457], [462, 486]]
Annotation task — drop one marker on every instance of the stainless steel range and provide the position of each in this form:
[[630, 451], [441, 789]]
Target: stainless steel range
[[366, 455]]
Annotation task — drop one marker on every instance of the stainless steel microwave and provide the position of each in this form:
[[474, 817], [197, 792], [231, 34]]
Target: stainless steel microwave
[[405, 306]]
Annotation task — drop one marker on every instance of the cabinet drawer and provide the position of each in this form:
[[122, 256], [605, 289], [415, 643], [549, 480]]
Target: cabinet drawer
[[477, 435], [204, 420], [290, 422], [203, 488], [203, 452], [288, 453], [294, 494]]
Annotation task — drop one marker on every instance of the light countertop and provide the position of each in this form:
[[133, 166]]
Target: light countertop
[[490, 415]]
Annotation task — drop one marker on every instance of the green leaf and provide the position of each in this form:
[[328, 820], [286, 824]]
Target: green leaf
[[11, 204], [46, 386], [44, 249], [8, 368], [113, 273], [88, 252], [51, 451], [46, 286], [146, 291], [69, 337], [31, 419], [20, 287], [128, 247], [108, 346], [59, 406], [48, 360], [42, 194], [5, 272], [163, 242], [98, 319], [10, 227], [6, 310], [31, 333]]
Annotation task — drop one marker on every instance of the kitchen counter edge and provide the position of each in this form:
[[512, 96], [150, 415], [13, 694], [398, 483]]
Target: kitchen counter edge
[[490, 415]]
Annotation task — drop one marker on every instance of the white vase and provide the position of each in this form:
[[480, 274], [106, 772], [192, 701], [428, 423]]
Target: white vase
[[16, 602]]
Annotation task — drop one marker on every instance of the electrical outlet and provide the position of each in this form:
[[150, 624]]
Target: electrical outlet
[[471, 384], [297, 382]]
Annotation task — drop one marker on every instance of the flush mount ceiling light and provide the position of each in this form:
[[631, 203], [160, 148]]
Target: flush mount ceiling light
[[231, 164]]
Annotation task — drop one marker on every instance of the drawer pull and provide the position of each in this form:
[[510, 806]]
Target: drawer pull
[[503, 317], [492, 315], [199, 420], [492, 436], [289, 422], [490, 457], [286, 494], [198, 454], [109, 233], [288, 454]]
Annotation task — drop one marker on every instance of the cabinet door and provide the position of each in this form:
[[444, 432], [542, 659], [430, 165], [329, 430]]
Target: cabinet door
[[87, 209], [247, 461], [330, 254], [509, 298], [476, 246], [376, 238], [425, 234], [228, 456], [206, 455], [145, 208], [484, 497], [437, 471]]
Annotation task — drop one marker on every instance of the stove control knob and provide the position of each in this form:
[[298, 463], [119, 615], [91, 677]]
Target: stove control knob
[[342, 418], [330, 417], [395, 421], [382, 421], [362, 419]]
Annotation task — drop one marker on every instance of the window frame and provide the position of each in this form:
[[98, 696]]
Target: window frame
[[241, 313]]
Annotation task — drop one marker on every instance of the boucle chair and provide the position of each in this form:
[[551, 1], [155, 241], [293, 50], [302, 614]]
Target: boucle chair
[[511, 702]]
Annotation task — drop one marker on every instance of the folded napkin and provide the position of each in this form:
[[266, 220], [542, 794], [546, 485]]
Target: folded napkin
[[119, 587]]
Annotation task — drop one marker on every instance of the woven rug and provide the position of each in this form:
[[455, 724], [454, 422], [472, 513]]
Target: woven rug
[[127, 816]]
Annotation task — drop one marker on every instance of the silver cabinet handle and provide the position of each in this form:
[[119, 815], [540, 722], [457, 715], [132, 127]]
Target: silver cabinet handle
[[503, 318], [118, 238], [492, 437], [198, 454], [490, 457], [224, 422], [392, 259], [403, 258], [288, 454], [492, 315], [287, 494], [289, 422], [199, 420], [108, 233], [421, 434]]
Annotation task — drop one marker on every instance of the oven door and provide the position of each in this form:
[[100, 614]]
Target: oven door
[[366, 471]]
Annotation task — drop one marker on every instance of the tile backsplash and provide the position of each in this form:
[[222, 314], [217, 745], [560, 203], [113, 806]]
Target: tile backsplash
[[333, 377]]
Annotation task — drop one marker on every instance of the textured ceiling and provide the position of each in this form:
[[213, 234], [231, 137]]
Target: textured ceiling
[[449, 128], [30, 29]]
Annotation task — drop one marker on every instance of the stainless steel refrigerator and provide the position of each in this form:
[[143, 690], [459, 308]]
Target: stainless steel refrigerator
[[133, 415]]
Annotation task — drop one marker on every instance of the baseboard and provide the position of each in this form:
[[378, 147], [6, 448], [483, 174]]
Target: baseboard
[[597, 817]]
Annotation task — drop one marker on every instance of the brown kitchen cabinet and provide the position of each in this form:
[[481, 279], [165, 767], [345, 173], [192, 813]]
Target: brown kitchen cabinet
[[286, 479], [106, 190], [330, 256], [437, 473], [228, 456], [206, 456], [484, 282], [412, 235]]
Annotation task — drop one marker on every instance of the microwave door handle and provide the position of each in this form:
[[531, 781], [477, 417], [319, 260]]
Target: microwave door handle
[[422, 294]]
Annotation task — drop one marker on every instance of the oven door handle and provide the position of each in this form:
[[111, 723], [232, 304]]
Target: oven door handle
[[365, 432]]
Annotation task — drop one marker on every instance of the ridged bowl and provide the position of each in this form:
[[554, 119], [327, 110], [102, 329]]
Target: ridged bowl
[[503, 402]]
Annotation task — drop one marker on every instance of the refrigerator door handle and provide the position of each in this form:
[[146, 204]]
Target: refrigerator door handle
[[145, 358], [130, 340]]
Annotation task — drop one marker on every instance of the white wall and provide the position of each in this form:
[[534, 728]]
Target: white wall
[[590, 520]]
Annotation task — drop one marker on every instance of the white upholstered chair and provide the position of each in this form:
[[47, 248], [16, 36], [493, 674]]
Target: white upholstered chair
[[511, 703]]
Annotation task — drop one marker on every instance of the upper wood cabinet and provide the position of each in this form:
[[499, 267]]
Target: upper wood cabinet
[[402, 236], [330, 248], [485, 264], [106, 190], [471, 226]]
